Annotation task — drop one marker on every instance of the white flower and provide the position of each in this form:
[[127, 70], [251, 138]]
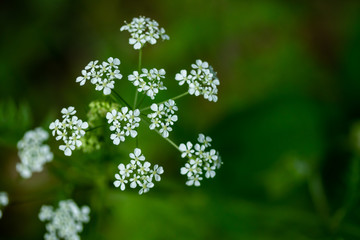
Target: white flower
[[66, 222], [158, 110], [135, 78], [133, 116], [32, 152], [165, 129], [137, 156], [194, 88], [135, 180], [113, 62], [145, 187], [156, 173], [182, 77], [68, 147], [67, 112], [55, 126], [197, 162], [112, 116], [200, 65], [123, 115], [199, 150], [170, 106], [114, 74], [120, 182], [137, 40], [194, 180], [129, 130], [125, 170], [170, 119], [205, 140], [155, 122], [85, 76], [92, 66], [188, 170], [143, 168], [209, 171], [118, 137], [105, 85], [186, 149]]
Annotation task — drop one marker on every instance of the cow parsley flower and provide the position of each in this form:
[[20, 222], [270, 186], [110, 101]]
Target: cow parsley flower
[[65, 222], [163, 117], [123, 124], [202, 80], [154, 83], [4, 201], [144, 30], [70, 130], [138, 172], [200, 160], [33, 153], [102, 76]]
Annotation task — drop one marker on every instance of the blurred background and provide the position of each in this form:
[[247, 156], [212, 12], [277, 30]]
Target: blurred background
[[285, 122]]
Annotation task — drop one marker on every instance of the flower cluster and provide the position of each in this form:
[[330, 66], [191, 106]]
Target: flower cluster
[[101, 75], [202, 80], [199, 160], [163, 117], [4, 201], [70, 130], [33, 153], [143, 30], [123, 124], [66, 222], [151, 87], [138, 173]]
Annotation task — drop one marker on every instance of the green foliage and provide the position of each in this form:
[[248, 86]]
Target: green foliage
[[15, 120]]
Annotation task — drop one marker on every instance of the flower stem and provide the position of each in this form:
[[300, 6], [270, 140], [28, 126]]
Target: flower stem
[[139, 68], [123, 100], [167, 139], [318, 196], [141, 101], [96, 127], [173, 98]]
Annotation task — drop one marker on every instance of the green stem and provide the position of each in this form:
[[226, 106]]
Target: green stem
[[174, 98], [318, 196], [141, 101], [351, 196], [123, 100], [139, 68], [136, 94], [96, 127], [167, 139], [140, 58]]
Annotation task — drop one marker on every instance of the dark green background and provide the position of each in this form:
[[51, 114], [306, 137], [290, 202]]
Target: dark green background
[[289, 96]]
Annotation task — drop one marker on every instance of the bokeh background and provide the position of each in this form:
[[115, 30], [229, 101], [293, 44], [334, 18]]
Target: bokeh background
[[285, 122]]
